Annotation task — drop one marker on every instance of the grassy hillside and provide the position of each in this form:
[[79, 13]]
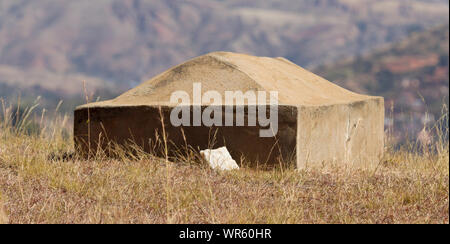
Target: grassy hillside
[[412, 75], [41, 181], [48, 47]]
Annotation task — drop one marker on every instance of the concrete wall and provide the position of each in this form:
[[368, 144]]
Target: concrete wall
[[140, 124], [350, 134]]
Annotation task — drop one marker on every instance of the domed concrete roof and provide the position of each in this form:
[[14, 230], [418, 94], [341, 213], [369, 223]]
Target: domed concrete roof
[[226, 71]]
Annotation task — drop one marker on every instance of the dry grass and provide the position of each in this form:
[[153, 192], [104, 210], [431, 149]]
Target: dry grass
[[408, 187]]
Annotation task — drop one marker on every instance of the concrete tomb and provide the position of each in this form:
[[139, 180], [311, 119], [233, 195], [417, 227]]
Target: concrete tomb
[[264, 110]]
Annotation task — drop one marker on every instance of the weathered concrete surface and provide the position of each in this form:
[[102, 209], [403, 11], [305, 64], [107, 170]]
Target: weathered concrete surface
[[319, 122], [350, 133]]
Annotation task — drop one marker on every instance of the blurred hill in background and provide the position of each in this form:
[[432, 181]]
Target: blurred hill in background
[[412, 75], [48, 47]]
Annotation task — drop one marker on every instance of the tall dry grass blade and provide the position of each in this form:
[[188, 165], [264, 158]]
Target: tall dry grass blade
[[89, 118]]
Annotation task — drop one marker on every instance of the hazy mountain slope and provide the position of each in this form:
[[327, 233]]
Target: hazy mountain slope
[[413, 75], [51, 87], [131, 40]]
